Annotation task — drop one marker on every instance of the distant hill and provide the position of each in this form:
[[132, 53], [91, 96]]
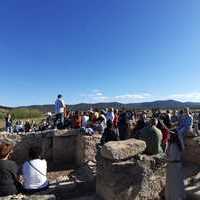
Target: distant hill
[[167, 104]]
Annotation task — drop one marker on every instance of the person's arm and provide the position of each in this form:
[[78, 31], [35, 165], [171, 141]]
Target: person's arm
[[63, 103]]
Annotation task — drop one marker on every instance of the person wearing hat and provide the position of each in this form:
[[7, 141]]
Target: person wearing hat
[[60, 108]]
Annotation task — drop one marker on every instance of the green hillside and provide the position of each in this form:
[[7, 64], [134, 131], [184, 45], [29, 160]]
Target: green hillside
[[20, 113]]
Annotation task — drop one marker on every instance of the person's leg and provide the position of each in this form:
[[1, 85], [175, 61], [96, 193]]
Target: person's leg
[[62, 118], [7, 129], [10, 129]]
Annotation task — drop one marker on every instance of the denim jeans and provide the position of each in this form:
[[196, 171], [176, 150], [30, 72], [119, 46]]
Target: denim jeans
[[61, 118], [9, 129]]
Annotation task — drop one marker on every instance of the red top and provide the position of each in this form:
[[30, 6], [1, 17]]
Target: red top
[[116, 120], [166, 135]]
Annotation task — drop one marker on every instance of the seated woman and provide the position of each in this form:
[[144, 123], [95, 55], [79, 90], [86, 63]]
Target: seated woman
[[35, 172], [8, 171]]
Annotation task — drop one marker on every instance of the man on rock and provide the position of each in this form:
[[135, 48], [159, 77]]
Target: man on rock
[[60, 109]]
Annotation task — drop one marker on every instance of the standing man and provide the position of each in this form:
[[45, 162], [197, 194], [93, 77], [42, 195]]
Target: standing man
[[123, 126], [186, 124], [60, 109], [8, 123]]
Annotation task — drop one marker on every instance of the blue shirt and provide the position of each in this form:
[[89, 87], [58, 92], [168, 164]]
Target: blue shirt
[[59, 106], [185, 125]]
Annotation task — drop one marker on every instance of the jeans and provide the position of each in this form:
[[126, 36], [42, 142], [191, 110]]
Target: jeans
[[9, 129], [60, 118]]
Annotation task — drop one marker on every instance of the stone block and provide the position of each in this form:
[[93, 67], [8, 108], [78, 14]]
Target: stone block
[[86, 148], [122, 150], [192, 150]]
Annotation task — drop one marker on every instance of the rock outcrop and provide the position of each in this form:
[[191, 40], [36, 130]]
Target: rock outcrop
[[192, 150], [123, 174], [122, 150]]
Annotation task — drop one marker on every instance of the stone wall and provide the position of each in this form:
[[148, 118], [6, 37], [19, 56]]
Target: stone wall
[[86, 148], [23, 143], [59, 147], [192, 150], [122, 173]]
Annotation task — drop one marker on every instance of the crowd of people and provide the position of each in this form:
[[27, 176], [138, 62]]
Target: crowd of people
[[163, 132], [18, 126], [154, 127]]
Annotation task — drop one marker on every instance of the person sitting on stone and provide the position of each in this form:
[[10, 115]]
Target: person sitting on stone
[[153, 138], [9, 181], [19, 126], [109, 133], [35, 172]]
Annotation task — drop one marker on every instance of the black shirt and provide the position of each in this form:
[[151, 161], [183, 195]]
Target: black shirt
[[109, 135], [8, 177]]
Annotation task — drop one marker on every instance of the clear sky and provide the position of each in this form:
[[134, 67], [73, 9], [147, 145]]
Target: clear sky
[[99, 50]]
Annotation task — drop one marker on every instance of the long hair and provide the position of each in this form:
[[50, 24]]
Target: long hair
[[5, 149]]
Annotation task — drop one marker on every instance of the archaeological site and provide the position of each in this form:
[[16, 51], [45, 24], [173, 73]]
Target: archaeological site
[[80, 169]]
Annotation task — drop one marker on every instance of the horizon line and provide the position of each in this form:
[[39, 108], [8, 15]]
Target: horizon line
[[93, 103]]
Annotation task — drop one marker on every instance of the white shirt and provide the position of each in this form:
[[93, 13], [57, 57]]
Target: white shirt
[[85, 120], [32, 178], [103, 123], [110, 116], [59, 106]]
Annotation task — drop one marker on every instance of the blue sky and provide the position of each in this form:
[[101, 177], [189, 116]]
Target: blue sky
[[99, 50]]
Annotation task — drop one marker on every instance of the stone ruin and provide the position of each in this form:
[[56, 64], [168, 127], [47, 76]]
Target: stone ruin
[[122, 173], [119, 170]]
